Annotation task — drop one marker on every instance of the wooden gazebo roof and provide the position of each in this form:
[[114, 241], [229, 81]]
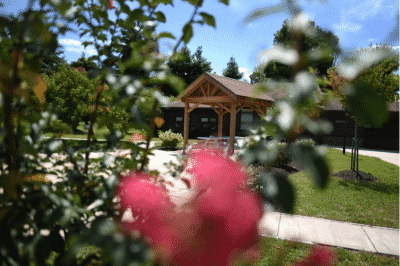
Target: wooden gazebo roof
[[224, 95]]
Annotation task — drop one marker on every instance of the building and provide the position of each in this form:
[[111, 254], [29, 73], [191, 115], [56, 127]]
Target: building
[[203, 120]]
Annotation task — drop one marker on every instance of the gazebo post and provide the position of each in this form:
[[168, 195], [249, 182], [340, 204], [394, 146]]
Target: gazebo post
[[232, 128], [220, 121], [186, 126]]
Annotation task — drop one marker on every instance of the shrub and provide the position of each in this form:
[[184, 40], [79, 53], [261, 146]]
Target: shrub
[[116, 119], [284, 156], [71, 92], [170, 139], [309, 142]]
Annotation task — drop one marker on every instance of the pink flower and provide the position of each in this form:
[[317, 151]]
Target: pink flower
[[110, 6], [136, 137], [214, 221], [146, 200], [319, 256]]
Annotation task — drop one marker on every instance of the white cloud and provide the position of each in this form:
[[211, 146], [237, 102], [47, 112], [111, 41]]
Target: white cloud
[[246, 73], [69, 42], [77, 47], [347, 27], [365, 10]]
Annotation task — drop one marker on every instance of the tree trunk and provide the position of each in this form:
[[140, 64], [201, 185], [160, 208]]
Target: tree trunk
[[354, 151]]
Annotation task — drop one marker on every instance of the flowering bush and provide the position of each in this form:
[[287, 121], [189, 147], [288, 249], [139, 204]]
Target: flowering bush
[[309, 142], [136, 137], [170, 139], [212, 220]]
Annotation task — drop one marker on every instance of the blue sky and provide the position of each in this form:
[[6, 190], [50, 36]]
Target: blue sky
[[357, 23]]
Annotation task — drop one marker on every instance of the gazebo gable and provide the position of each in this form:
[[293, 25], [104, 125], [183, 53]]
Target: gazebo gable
[[208, 88]]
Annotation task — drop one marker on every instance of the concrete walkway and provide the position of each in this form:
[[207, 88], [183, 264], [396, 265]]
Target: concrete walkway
[[390, 157], [311, 230], [305, 229]]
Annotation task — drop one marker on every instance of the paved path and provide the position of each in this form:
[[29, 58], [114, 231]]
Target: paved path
[[390, 157]]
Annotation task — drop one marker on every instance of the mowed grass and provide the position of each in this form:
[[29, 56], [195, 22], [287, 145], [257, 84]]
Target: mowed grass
[[274, 252], [100, 134], [372, 203]]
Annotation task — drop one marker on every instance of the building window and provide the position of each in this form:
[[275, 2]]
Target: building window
[[179, 118], [213, 120], [246, 119], [204, 119]]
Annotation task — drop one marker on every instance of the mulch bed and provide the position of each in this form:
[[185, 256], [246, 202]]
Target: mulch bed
[[288, 169], [295, 167], [350, 175]]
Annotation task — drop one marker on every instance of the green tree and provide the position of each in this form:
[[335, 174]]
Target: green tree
[[71, 92], [258, 75], [322, 40], [128, 36], [53, 62], [381, 78], [232, 70], [188, 67], [84, 63]]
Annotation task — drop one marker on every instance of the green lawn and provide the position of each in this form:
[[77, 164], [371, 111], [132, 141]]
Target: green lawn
[[374, 203], [100, 134], [273, 252]]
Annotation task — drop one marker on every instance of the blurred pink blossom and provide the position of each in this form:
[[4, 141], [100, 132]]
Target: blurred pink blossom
[[214, 222], [319, 256]]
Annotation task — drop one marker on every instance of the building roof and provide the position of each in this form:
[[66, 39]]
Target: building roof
[[242, 88], [335, 105]]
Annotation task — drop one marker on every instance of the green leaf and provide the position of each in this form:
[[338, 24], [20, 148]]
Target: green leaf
[[278, 191], [226, 2], [366, 106], [193, 2], [85, 44], [263, 12], [313, 162], [154, 3], [84, 32], [187, 32], [160, 16], [136, 14], [166, 35], [102, 37], [209, 19], [177, 83]]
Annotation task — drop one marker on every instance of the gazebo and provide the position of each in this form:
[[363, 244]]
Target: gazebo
[[223, 95]]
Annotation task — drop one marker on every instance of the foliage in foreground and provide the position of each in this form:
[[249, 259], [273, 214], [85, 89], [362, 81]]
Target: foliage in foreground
[[35, 213]]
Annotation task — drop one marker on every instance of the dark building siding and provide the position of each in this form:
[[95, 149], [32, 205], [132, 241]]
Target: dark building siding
[[384, 138], [199, 128]]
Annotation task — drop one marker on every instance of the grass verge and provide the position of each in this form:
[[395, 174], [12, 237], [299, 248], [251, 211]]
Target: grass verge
[[274, 252], [372, 203]]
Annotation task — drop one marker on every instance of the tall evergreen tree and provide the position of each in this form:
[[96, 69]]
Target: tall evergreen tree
[[52, 63], [187, 66], [232, 70], [322, 39]]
